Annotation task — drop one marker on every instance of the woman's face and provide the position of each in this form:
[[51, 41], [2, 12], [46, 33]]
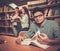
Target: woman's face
[[16, 10], [22, 10]]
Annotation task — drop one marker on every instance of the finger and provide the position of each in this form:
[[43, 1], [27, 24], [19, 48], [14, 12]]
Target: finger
[[39, 40], [18, 41], [41, 37], [19, 38], [43, 34]]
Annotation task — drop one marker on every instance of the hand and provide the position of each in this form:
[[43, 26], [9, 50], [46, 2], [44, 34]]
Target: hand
[[20, 38], [43, 38]]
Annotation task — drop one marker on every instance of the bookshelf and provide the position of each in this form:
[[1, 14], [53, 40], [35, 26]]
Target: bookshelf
[[5, 27], [54, 5], [46, 6], [51, 6], [56, 16], [5, 23]]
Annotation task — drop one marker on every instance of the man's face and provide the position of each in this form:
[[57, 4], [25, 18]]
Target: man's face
[[39, 17]]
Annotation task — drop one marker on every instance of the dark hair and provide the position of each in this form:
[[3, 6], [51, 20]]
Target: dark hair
[[26, 10], [18, 11], [16, 8], [38, 9]]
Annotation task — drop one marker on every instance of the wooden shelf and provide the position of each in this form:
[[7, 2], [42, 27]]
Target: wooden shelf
[[10, 11], [10, 34], [55, 16], [46, 6], [7, 11], [6, 26], [5, 19]]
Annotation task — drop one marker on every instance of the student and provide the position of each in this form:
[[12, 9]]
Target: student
[[24, 19], [15, 19], [49, 29]]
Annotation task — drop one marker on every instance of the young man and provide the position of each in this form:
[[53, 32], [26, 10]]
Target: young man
[[49, 29]]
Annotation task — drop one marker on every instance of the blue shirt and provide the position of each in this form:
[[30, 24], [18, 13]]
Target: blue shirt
[[50, 28]]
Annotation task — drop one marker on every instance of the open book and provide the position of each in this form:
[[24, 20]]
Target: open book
[[29, 41]]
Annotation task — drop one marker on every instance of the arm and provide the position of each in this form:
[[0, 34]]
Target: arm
[[55, 41], [23, 36], [56, 30], [55, 33], [31, 31], [44, 39]]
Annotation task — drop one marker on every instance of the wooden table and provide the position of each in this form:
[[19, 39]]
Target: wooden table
[[11, 45]]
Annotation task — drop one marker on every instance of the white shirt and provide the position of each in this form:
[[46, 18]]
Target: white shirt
[[24, 21]]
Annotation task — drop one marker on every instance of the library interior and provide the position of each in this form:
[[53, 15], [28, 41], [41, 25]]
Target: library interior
[[22, 21]]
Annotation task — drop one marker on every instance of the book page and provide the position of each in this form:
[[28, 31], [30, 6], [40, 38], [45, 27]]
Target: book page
[[34, 42], [37, 33], [26, 41]]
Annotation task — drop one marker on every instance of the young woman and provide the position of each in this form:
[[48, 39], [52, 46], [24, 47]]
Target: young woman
[[15, 19], [24, 19]]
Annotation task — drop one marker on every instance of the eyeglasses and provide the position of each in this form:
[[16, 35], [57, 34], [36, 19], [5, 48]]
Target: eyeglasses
[[38, 16]]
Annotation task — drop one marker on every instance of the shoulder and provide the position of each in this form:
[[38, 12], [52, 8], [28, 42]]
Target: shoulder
[[51, 21], [33, 23]]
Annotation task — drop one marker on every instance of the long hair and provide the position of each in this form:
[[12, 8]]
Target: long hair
[[26, 10], [19, 11]]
